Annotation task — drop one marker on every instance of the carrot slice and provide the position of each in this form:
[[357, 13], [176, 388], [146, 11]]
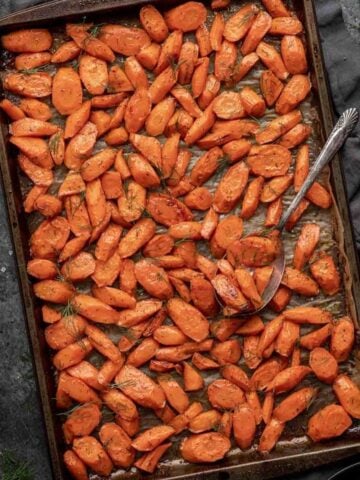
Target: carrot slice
[[186, 17]]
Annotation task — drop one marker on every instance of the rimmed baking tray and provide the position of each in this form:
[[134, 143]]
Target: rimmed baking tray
[[290, 456]]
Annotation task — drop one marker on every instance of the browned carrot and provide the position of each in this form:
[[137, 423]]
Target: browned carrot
[[66, 91], [272, 59], [27, 40], [186, 17], [285, 26], [243, 68], [225, 59], [154, 23], [66, 52], [306, 244], [256, 33], [293, 54], [203, 39], [238, 24], [329, 422], [294, 92]]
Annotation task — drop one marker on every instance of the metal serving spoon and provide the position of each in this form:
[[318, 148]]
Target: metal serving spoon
[[339, 134]]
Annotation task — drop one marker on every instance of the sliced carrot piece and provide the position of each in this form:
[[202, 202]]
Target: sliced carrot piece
[[186, 17], [294, 92], [272, 59], [293, 54], [225, 59], [329, 422], [238, 24], [259, 28]]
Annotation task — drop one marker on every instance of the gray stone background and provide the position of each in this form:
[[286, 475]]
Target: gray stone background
[[21, 427]]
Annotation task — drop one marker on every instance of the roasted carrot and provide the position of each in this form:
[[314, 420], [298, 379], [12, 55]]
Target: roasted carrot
[[272, 59], [293, 54], [186, 17], [256, 33], [324, 271], [13, 111], [225, 59], [238, 24], [243, 68], [75, 466], [306, 244], [329, 422], [342, 339], [294, 92]]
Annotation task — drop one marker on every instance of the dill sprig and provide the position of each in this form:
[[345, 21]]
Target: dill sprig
[[95, 30], [180, 241], [13, 468], [68, 310], [126, 383], [73, 409]]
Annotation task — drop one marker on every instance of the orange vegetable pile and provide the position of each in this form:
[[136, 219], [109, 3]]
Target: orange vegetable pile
[[135, 240]]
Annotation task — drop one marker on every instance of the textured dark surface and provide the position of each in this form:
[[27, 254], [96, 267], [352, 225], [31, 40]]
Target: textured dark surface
[[21, 428]]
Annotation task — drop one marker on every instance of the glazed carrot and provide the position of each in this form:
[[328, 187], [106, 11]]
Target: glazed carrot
[[225, 395], [228, 230], [228, 106], [117, 444], [299, 282], [168, 211], [199, 77], [288, 379], [272, 60], [190, 320], [206, 166], [149, 147], [42, 177], [36, 149], [236, 149], [319, 195], [267, 407], [72, 354], [252, 197], [301, 167], [244, 426], [230, 188], [120, 404], [65, 331], [49, 238], [81, 422], [276, 8], [265, 373], [324, 271], [199, 199], [238, 24], [142, 311], [253, 251], [65, 52], [112, 185], [12, 111], [306, 244], [124, 40], [248, 287], [94, 75], [35, 85], [53, 291], [250, 351], [275, 187], [169, 335], [66, 91], [174, 393], [89, 42], [294, 92], [243, 67], [256, 33], [205, 447], [253, 400], [294, 404], [287, 338], [93, 455], [170, 51], [285, 26], [270, 435], [148, 56], [269, 334], [229, 292], [316, 338], [193, 381], [206, 266], [75, 466], [140, 388], [108, 371], [271, 87], [186, 17], [342, 339], [162, 84], [27, 40], [227, 352], [149, 461], [205, 421], [225, 59], [281, 299], [187, 61], [253, 104], [170, 151], [80, 146], [269, 160], [31, 197], [329, 422], [202, 36], [262, 278], [348, 394], [152, 438], [297, 214], [48, 205], [323, 364], [76, 121], [118, 81], [273, 213], [253, 326], [293, 54], [160, 116], [216, 32], [236, 375], [154, 23], [312, 315], [29, 61], [218, 4]]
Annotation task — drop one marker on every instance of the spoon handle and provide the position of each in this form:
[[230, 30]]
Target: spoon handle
[[337, 137]]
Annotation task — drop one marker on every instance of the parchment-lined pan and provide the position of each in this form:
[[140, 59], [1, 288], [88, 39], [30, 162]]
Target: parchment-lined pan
[[294, 452]]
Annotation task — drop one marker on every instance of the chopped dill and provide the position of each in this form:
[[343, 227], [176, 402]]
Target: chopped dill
[[68, 310]]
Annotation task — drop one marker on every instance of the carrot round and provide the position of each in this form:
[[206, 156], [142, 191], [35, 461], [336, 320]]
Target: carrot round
[[205, 447], [329, 422], [186, 17]]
